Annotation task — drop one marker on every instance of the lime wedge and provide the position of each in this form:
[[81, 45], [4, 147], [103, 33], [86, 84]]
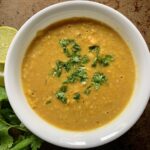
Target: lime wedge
[[6, 36], [1, 74]]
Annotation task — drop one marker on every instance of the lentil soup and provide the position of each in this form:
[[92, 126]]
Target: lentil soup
[[78, 74]]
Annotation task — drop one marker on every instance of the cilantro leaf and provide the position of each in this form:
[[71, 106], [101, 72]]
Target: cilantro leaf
[[6, 141], [76, 47], [76, 96], [96, 60], [60, 94], [36, 143], [85, 59], [79, 74], [94, 48], [9, 116], [63, 88], [13, 134], [30, 140], [105, 60], [67, 66], [82, 74], [70, 47], [57, 71], [64, 42], [75, 59], [98, 79]]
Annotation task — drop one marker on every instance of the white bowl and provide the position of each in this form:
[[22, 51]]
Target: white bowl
[[72, 139]]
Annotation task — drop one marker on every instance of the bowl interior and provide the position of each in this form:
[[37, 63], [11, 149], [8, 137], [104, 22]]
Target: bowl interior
[[67, 138]]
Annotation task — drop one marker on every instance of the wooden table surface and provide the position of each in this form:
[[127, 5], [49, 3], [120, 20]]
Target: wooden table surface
[[16, 12]]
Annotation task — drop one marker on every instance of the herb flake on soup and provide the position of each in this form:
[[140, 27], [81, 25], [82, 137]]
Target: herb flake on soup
[[78, 74]]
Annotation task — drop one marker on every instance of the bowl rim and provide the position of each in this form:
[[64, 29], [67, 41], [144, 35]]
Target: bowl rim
[[7, 79]]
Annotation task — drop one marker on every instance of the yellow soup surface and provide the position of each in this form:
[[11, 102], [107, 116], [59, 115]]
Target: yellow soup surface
[[78, 74]]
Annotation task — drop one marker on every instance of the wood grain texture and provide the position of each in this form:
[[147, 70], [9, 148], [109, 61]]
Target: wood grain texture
[[16, 12]]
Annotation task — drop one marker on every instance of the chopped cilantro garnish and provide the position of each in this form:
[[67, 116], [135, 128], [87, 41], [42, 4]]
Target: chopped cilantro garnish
[[64, 42], [60, 94], [75, 59], [58, 68], [84, 59], [76, 96], [64, 88], [98, 79], [76, 47], [78, 75], [66, 52], [67, 66], [78, 60], [76, 65], [82, 74], [70, 47], [95, 61], [105, 60], [94, 48]]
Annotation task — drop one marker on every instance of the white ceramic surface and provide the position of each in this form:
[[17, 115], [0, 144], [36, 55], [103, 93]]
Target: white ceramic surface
[[97, 136]]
